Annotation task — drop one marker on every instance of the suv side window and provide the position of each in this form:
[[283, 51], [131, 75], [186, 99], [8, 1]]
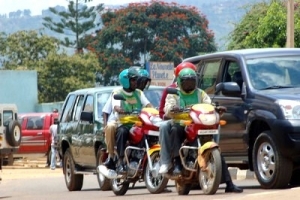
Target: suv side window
[[8, 115], [232, 72], [78, 107], [88, 106], [101, 101], [209, 75], [66, 115]]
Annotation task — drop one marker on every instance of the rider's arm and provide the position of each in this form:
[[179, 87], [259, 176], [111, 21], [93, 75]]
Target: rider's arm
[[171, 102], [145, 102], [106, 110], [205, 97]]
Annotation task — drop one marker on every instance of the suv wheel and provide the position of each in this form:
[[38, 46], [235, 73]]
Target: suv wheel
[[272, 170], [73, 181], [13, 133], [104, 183]]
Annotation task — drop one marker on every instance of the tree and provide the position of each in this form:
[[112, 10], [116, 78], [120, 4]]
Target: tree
[[150, 31], [25, 49], [264, 26], [75, 23], [61, 74]]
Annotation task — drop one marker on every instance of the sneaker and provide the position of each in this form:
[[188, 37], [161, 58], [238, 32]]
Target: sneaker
[[52, 168], [164, 168], [121, 168], [110, 164], [177, 166]]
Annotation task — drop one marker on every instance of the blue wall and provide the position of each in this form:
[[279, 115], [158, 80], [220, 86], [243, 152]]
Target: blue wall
[[19, 87]]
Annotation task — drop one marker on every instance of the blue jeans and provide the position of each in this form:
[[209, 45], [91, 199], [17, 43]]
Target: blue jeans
[[53, 157], [165, 142]]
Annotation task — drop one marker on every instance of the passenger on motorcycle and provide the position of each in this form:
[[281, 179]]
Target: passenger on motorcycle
[[109, 120], [189, 94], [135, 100]]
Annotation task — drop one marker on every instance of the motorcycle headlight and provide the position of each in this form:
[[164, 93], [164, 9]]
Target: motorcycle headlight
[[290, 108]]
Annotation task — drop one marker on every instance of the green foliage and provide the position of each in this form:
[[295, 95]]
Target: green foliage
[[264, 26], [61, 74], [150, 31], [24, 49], [74, 23]]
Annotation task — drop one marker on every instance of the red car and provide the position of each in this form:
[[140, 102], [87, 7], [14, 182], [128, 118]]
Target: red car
[[36, 137]]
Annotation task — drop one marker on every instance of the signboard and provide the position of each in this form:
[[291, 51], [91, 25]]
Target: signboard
[[161, 73]]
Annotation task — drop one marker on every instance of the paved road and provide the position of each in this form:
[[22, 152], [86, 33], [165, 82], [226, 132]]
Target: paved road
[[43, 183]]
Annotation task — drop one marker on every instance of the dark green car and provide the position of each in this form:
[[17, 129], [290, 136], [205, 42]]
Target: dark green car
[[80, 132]]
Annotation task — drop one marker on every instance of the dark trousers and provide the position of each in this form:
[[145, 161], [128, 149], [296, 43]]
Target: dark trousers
[[177, 136], [121, 139]]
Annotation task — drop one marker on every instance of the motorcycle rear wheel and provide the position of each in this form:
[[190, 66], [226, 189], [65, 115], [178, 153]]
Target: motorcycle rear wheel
[[155, 185], [210, 181], [119, 186]]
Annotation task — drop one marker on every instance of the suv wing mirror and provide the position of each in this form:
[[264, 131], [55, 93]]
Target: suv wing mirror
[[228, 89], [86, 116]]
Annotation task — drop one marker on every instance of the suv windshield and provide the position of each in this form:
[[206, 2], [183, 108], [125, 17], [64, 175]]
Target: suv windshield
[[274, 72]]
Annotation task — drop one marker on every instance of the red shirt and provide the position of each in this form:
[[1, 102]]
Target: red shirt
[[163, 100]]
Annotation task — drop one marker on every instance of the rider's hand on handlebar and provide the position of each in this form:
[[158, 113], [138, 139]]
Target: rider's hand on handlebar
[[118, 109], [175, 108]]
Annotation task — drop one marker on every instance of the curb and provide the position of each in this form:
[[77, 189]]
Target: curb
[[237, 174]]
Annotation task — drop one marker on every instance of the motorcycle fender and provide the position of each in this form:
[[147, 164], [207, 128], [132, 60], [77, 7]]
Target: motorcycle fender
[[203, 155], [207, 145], [154, 148]]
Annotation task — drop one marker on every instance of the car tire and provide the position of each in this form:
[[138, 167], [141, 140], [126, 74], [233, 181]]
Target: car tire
[[13, 134], [73, 181], [104, 183], [272, 170]]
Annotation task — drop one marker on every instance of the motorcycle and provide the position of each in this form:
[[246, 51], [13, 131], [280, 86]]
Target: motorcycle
[[141, 155], [201, 162]]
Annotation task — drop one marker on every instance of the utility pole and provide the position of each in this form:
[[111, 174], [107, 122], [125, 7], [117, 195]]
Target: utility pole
[[290, 24]]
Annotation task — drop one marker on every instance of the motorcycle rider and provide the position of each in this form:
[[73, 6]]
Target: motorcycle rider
[[177, 69], [135, 100], [109, 120], [189, 94]]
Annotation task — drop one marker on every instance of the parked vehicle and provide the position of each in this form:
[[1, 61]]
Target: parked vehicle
[[36, 134], [10, 132], [81, 142], [141, 154], [263, 122]]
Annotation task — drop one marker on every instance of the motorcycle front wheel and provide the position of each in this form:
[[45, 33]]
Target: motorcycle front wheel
[[210, 179], [154, 181]]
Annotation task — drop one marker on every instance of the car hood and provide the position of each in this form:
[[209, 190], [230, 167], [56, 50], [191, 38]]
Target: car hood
[[283, 93]]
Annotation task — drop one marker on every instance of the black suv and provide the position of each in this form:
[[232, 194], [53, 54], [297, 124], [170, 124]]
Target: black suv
[[261, 90], [80, 132]]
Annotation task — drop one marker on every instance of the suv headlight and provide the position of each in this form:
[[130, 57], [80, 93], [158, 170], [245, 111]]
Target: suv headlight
[[290, 109]]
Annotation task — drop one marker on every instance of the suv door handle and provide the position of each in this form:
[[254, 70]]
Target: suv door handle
[[40, 133]]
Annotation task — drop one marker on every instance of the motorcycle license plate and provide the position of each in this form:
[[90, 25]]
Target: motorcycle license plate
[[208, 132]]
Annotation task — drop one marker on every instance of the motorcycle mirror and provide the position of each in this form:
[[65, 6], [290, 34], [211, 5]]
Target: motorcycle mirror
[[172, 91], [119, 97]]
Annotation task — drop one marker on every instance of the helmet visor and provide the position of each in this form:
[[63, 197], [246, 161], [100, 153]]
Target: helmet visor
[[188, 84]]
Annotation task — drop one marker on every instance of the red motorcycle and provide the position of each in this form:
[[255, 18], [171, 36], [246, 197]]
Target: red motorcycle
[[141, 155], [201, 162]]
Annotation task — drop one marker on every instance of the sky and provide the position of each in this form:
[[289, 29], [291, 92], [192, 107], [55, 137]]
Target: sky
[[36, 6]]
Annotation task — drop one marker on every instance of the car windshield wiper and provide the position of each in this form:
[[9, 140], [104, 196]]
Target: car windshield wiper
[[277, 87]]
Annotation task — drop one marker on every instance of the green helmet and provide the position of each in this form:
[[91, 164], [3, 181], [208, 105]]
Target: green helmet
[[144, 80], [187, 80]]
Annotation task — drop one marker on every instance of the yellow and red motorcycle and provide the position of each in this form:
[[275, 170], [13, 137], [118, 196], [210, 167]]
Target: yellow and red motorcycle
[[142, 153], [201, 162]]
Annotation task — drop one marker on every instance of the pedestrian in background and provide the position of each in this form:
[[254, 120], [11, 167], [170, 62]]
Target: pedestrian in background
[[53, 132]]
